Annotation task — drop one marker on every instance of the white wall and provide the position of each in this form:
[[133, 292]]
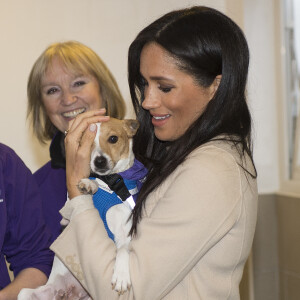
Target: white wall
[[259, 22], [108, 27]]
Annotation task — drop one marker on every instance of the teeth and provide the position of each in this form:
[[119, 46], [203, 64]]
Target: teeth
[[161, 118], [74, 113]]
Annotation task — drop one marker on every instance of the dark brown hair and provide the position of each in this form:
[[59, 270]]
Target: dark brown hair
[[205, 43]]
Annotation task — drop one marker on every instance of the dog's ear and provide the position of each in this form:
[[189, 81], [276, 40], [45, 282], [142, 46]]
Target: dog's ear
[[131, 126]]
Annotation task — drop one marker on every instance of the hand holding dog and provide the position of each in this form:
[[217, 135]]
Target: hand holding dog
[[78, 145]]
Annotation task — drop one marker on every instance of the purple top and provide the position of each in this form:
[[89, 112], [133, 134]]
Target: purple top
[[52, 184], [51, 179], [24, 239]]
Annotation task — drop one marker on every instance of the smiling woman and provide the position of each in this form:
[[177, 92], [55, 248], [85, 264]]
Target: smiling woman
[[66, 80], [187, 77], [61, 69], [172, 97], [65, 95]]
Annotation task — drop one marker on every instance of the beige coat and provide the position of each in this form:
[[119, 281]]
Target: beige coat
[[193, 240]]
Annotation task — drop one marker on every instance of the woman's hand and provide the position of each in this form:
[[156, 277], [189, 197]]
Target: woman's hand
[[78, 145]]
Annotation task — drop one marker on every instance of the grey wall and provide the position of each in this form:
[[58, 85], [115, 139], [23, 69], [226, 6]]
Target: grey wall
[[276, 249]]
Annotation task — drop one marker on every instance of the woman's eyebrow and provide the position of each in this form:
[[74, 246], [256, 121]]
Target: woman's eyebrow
[[48, 84], [160, 78]]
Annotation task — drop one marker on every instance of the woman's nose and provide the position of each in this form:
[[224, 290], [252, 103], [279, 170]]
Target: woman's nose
[[69, 98], [150, 100]]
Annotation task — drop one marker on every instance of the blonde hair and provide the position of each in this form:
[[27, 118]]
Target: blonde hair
[[75, 57]]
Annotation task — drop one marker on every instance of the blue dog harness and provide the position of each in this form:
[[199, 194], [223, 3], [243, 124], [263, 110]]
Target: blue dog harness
[[106, 197]]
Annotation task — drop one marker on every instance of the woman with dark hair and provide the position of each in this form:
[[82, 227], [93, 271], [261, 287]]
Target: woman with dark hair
[[195, 216]]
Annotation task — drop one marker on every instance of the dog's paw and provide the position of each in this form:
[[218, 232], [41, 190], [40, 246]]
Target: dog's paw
[[121, 282], [121, 277], [87, 186]]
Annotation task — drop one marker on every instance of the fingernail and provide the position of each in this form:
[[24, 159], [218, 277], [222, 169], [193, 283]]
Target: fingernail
[[93, 127]]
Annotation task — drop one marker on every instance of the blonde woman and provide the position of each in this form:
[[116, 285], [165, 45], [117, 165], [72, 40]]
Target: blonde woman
[[67, 79]]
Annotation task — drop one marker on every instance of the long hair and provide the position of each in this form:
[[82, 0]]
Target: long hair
[[76, 58], [205, 43]]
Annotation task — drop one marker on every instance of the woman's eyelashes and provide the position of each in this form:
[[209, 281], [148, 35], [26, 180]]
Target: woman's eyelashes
[[162, 87], [79, 83], [165, 89], [51, 91]]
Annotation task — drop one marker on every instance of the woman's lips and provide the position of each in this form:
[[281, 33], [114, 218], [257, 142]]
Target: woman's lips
[[160, 120]]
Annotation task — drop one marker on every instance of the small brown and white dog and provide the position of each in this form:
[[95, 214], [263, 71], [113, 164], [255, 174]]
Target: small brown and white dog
[[112, 153]]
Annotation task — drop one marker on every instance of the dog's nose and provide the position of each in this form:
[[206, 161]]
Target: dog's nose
[[100, 162]]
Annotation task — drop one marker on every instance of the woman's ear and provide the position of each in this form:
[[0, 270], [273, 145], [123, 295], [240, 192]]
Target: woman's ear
[[214, 86]]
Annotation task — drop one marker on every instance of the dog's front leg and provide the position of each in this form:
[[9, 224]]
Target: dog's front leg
[[120, 225]]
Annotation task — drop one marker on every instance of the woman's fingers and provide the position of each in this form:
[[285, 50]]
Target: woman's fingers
[[87, 140], [91, 116], [84, 150]]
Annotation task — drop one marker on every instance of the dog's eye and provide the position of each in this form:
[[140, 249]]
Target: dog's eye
[[113, 139]]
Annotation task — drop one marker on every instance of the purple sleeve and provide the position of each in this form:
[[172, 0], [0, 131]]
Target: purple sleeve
[[27, 240]]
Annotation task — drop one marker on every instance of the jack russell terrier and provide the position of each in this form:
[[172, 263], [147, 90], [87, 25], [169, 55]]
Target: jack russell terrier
[[116, 177]]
